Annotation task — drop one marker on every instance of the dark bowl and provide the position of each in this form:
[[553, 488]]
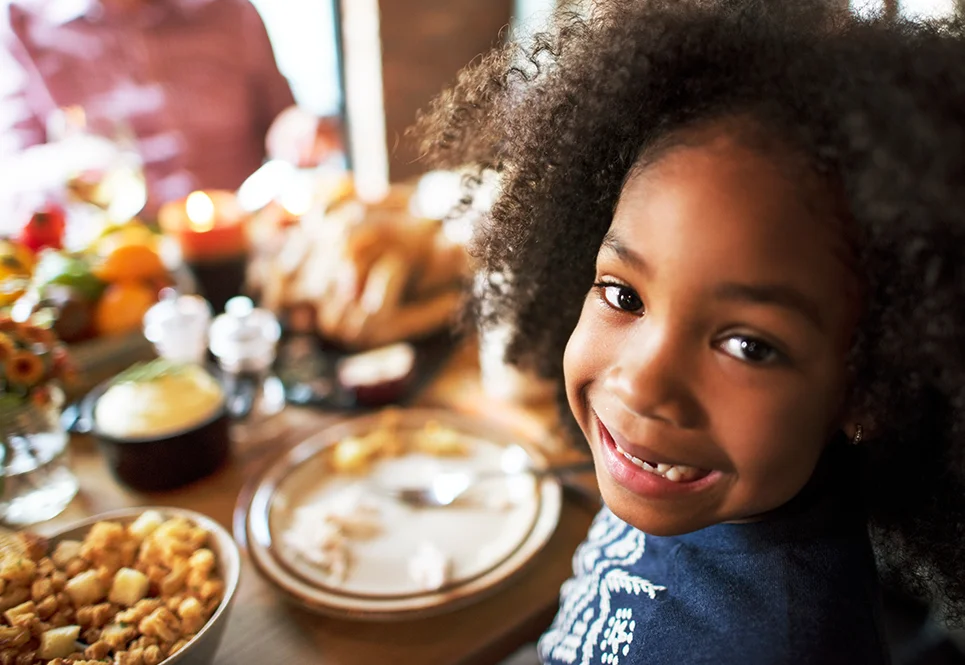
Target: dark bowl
[[154, 464]]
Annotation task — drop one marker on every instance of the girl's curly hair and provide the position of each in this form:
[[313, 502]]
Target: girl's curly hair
[[875, 107]]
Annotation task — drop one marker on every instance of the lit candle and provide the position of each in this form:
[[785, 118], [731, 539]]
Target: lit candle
[[200, 210], [211, 229], [209, 226]]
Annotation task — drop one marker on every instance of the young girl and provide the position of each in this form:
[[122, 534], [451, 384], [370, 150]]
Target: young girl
[[734, 230]]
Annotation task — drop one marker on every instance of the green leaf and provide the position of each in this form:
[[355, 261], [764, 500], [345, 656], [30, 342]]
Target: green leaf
[[67, 270], [149, 371]]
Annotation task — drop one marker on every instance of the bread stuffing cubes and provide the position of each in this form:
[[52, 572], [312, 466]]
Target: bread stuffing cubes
[[128, 595]]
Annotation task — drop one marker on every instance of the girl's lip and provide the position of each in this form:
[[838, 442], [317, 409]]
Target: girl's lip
[[640, 481], [639, 452]]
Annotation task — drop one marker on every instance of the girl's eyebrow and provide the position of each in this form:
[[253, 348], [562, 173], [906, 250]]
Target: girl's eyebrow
[[779, 295], [625, 254]]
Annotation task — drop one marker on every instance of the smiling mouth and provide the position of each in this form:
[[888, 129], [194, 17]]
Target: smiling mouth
[[675, 473]]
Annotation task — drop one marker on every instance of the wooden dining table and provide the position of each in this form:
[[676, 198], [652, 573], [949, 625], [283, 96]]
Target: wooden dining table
[[265, 627]]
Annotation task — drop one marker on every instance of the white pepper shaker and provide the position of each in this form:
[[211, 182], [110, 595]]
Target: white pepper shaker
[[244, 340]]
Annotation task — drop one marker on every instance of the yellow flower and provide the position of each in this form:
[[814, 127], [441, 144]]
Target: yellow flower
[[24, 368], [7, 347]]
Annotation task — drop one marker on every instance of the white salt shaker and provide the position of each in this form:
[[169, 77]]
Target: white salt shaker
[[178, 327]]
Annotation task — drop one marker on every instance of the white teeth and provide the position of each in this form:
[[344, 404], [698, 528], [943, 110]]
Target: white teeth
[[675, 473], [638, 462]]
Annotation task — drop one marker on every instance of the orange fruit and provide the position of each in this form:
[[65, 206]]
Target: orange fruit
[[130, 233], [130, 263], [122, 307]]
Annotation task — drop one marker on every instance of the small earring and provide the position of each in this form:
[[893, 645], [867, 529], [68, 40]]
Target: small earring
[[858, 432]]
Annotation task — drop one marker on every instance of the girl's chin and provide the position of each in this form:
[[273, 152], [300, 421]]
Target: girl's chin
[[652, 520]]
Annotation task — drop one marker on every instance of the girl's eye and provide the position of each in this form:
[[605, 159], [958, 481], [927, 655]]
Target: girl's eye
[[620, 297], [750, 350]]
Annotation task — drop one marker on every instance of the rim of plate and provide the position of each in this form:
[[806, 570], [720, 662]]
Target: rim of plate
[[333, 602]]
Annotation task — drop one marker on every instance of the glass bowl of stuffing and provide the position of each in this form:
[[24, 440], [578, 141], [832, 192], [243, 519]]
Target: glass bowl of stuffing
[[134, 586]]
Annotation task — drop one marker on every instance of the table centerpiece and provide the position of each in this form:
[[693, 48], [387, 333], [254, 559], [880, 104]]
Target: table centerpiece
[[35, 480]]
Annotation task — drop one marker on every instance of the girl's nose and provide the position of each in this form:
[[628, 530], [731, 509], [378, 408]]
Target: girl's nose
[[651, 373]]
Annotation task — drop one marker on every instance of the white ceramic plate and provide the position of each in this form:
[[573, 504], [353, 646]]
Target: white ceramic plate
[[488, 537]]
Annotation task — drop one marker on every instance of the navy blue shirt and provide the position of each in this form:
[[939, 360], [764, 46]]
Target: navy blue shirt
[[799, 588]]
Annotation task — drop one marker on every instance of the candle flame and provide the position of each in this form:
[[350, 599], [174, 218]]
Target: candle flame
[[200, 210]]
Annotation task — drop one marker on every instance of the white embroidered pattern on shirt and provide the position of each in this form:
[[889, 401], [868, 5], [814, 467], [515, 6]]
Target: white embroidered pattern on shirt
[[600, 569], [617, 636]]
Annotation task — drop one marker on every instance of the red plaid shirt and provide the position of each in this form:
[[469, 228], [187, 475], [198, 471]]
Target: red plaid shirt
[[194, 81]]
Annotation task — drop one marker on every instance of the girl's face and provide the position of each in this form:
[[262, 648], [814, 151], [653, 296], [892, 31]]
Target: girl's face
[[707, 367]]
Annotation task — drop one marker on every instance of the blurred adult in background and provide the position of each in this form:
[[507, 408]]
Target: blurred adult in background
[[192, 84]]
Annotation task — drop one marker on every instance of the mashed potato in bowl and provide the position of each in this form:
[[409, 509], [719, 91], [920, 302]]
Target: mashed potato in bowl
[[158, 400]]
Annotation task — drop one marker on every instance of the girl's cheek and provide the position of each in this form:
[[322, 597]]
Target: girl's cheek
[[773, 439], [581, 361]]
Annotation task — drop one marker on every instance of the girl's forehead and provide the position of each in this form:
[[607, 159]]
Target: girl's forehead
[[718, 212], [718, 187]]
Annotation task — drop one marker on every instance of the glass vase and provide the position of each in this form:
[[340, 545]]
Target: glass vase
[[36, 482]]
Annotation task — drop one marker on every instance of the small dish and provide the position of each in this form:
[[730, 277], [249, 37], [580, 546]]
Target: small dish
[[308, 367], [380, 376], [159, 463], [202, 647], [487, 542]]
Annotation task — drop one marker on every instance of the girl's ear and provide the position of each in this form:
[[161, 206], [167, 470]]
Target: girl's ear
[[855, 416], [858, 428], [854, 431]]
